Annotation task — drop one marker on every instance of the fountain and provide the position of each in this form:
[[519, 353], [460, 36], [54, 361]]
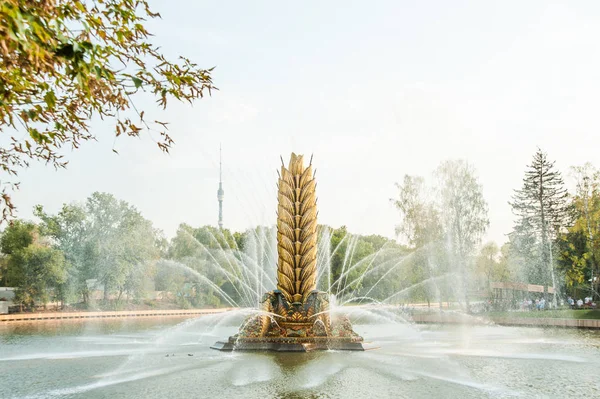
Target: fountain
[[457, 355], [295, 317]]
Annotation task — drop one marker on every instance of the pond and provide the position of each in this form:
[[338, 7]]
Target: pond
[[158, 358]]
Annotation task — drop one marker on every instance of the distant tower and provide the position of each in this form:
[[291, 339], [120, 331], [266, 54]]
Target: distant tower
[[220, 192]]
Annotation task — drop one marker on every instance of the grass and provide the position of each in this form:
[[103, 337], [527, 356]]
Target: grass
[[555, 314]]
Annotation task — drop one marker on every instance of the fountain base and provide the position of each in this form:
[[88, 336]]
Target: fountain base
[[288, 345], [293, 327]]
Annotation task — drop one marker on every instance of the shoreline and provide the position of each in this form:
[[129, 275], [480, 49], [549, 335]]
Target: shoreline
[[457, 318], [417, 318], [46, 316]]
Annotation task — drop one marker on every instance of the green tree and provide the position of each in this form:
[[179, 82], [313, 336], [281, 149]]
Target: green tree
[[542, 211], [64, 62], [580, 245], [184, 244], [574, 259], [358, 263], [212, 253], [214, 238], [34, 268], [464, 213], [421, 226], [420, 219], [491, 265], [339, 254], [17, 236], [509, 264], [69, 234], [123, 244]]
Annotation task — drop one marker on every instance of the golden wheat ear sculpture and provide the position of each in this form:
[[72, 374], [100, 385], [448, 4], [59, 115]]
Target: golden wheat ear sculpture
[[296, 231]]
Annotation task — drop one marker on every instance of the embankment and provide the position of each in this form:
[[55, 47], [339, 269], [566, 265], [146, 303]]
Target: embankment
[[109, 314]]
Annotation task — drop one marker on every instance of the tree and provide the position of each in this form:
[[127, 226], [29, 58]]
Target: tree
[[542, 211], [422, 228], [184, 244], [464, 213], [574, 259], [17, 236], [492, 264], [508, 264], [68, 232], [420, 219], [580, 245], [214, 238], [121, 245], [35, 269], [347, 251], [486, 262], [64, 62]]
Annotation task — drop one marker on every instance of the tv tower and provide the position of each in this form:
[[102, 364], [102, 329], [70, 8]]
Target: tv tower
[[220, 192]]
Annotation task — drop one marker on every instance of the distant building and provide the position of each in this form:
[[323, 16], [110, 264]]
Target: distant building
[[7, 294]]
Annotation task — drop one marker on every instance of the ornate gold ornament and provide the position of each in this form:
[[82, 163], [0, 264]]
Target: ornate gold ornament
[[296, 231]]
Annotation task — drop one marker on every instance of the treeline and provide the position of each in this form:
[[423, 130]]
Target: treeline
[[64, 257], [556, 237], [443, 221], [103, 254], [555, 240]]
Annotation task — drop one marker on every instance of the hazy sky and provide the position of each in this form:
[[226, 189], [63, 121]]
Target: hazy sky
[[374, 89]]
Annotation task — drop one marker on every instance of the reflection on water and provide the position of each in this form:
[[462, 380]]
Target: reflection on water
[[157, 358]]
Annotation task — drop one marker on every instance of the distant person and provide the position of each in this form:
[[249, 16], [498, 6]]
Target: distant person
[[537, 304], [542, 304], [571, 302], [579, 303]]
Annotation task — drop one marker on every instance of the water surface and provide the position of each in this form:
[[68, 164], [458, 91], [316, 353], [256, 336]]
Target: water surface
[[128, 359]]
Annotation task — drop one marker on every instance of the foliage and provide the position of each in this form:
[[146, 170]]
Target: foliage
[[122, 244], [214, 238], [420, 218], [579, 246], [542, 211], [108, 241], [105, 241], [35, 269], [346, 265], [463, 208], [491, 264], [67, 230], [574, 257], [444, 230], [64, 62], [184, 243], [464, 214], [17, 236]]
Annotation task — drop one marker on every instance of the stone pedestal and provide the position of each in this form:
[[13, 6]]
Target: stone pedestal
[[293, 327], [288, 345]]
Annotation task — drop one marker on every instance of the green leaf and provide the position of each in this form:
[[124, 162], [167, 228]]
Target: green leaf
[[137, 82], [50, 99], [35, 135]]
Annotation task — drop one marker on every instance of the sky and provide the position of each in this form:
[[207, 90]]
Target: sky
[[373, 90]]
